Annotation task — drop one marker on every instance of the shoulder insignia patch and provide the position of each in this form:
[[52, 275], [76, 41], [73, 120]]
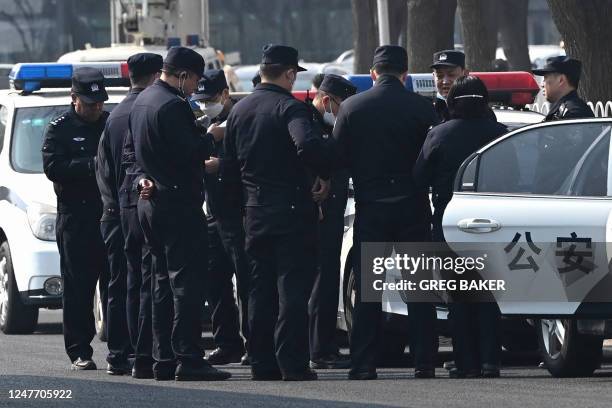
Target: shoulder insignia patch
[[58, 120]]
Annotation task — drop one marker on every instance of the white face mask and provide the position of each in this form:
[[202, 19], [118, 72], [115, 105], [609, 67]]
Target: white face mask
[[211, 109], [328, 117]]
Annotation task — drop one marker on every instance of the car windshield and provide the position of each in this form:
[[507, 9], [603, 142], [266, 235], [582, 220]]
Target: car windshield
[[28, 133]]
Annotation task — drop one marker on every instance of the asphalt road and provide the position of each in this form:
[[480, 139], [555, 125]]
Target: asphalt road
[[38, 361]]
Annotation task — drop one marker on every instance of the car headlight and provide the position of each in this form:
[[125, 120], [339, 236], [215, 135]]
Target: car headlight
[[42, 219]]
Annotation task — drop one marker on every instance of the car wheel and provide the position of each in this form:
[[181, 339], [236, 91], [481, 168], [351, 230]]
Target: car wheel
[[99, 315], [565, 351], [349, 299], [15, 317]]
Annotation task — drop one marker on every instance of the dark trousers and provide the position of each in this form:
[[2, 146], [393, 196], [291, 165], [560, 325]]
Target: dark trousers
[[476, 334], [323, 304], [220, 293], [231, 232], [82, 262], [282, 272], [118, 339], [403, 221], [177, 237], [139, 287]]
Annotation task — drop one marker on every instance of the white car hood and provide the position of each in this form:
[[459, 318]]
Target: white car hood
[[26, 189]]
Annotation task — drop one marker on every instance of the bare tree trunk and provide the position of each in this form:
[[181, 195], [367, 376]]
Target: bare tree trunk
[[365, 34], [513, 33], [587, 34], [398, 18], [422, 34], [479, 21], [446, 10]]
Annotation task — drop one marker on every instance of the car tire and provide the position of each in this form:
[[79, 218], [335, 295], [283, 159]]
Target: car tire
[[99, 316], [566, 352], [15, 316], [393, 344]]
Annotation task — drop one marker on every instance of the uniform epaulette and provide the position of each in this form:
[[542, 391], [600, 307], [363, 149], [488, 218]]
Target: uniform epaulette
[[58, 120]]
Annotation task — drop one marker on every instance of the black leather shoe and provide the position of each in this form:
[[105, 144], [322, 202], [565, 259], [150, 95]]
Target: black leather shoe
[[163, 372], [266, 375], [306, 375], [457, 373], [363, 375], [199, 372], [490, 371], [83, 364], [337, 361], [245, 360], [118, 369], [221, 356], [424, 373], [143, 371]]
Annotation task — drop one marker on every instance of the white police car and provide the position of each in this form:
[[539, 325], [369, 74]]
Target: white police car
[[559, 189], [29, 259], [512, 90]]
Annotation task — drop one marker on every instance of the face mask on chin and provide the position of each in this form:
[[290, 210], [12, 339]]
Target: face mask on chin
[[328, 117], [211, 109]]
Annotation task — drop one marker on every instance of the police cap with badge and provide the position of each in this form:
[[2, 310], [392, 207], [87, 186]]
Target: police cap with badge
[[213, 82], [144, 63], [88, 85], [562, 65], [448, 58], [338, 86], [280, 55]]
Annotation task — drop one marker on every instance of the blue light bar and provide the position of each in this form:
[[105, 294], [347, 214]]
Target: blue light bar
[[41, 71], [422, 84], [30, 77]]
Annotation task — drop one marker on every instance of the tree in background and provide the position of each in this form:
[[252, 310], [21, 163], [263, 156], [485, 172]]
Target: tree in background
[[479, 26], [512, 20], [431, 27], [365, 34], [587, 34]]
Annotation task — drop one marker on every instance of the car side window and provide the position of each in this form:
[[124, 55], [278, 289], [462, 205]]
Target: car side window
[[564, 159], [3, 121]]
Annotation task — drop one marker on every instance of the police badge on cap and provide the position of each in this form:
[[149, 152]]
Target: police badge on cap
[[88, 85]]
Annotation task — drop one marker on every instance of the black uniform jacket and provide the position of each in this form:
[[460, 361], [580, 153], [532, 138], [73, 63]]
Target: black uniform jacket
[[569, 107], [270, 139], [381, 132], [446, 147], [109, 171], [69, 149], [168, 146]]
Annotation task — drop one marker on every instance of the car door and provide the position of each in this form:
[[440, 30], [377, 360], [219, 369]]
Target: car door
[[547, 183]]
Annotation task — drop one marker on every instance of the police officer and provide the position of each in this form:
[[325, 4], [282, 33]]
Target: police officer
[[69, 151], [171, 152], [475, 326], [448, 65], [323, 304], [271, 145], [123, 305], [561, 76], [225, 233], [381, 132]]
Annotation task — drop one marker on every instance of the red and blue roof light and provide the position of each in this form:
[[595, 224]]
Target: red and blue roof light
[[515, 88]]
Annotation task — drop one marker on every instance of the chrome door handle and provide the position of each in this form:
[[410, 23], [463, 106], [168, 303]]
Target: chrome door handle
[[478, 225]]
